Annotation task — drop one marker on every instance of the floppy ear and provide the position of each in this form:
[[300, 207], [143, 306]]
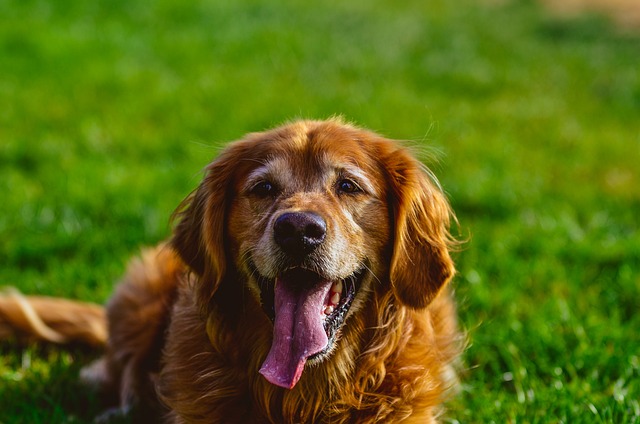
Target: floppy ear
[[199, 236], [420, 263]]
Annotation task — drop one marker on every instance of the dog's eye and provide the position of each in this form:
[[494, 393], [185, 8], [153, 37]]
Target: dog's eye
[[348, 186], [264, 189]]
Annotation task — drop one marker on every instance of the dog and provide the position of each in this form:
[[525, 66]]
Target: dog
[[306, 281]]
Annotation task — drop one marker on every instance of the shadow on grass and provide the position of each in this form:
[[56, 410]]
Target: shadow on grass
[[40, 384]]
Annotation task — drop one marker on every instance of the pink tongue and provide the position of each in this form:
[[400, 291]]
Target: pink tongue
[[297, 332]]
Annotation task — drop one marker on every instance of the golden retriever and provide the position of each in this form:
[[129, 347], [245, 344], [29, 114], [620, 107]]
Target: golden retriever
[[305, 282]]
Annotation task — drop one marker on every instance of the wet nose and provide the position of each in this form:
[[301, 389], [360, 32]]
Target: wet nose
[[299, 233]]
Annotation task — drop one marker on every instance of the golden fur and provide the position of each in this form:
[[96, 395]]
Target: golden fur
[[187, 323]]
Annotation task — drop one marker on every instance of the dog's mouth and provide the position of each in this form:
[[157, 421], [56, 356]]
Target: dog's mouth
[[307, 311]]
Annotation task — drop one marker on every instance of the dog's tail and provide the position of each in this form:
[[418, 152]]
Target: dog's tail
[[51, 319]]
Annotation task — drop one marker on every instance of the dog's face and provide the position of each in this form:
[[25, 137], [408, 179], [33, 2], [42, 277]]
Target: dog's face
[[310, 225], [311, 216]]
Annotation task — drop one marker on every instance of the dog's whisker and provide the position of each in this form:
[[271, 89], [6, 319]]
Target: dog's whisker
[[259, 161], [373, 274]]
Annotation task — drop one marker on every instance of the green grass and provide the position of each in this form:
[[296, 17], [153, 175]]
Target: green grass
[[109, 109]]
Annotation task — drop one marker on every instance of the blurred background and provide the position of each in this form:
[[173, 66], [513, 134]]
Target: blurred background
[[110, 109]]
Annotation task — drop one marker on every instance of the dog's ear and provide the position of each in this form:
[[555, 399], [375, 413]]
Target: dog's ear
[[420, 262], [199, 236]]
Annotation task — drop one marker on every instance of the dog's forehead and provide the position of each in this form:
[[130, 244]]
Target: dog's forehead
[[314, 157]]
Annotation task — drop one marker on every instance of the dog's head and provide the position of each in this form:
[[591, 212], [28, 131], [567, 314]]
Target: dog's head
[[311, 217]]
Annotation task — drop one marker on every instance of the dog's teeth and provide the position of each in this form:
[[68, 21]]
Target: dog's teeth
[[328, 310], [335, 298], [337, 287]]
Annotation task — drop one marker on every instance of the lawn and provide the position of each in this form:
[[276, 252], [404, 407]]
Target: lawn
[[110, 109]]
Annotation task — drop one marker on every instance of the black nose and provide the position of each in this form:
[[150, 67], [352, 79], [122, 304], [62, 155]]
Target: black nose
[[299, 233]]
